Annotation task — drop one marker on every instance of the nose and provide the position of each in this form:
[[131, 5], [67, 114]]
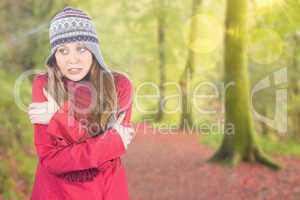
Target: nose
[[73, 57]]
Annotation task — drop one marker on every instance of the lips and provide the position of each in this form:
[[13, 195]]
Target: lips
[[74, 70]]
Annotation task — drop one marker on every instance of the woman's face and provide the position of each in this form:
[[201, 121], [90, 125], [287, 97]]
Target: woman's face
[[74, 60]]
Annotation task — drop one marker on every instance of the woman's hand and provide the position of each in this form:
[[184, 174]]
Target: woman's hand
[[42, 112], [126, 133]]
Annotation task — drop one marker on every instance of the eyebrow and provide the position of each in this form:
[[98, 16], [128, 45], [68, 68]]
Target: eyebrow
[[60, 46], [80, 44]]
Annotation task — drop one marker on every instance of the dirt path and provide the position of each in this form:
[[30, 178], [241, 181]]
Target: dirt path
[[173, 167]]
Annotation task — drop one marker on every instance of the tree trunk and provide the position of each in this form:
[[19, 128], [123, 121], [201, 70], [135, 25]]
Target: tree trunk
[[264, 126], [239, 142], [186, 119], [294, 90], [161, 47]]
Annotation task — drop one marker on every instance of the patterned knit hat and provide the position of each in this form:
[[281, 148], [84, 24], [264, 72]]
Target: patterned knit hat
[[73, 25]]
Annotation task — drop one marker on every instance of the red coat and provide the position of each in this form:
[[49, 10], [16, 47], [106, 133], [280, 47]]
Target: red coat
[[90, 170]]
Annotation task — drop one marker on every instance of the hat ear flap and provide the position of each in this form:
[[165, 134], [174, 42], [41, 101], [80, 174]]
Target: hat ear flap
[[95, 50], [51, 60]]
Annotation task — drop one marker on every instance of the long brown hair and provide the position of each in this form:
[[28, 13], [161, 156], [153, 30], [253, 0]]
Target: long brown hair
[[102, 81]]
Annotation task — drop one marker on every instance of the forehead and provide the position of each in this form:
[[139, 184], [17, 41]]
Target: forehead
[[71, 44]]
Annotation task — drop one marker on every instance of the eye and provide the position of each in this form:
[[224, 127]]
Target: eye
[[63, 51], [81, 49]]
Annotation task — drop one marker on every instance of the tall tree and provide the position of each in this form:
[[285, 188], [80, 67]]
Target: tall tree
[[239, 142], [294, 88], [162, 58], [186, 119]]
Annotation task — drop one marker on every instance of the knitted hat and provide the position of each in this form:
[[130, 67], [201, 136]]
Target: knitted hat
[[73, 25]]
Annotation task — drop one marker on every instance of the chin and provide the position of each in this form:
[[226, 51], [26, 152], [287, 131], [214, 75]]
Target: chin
[[75, 77]]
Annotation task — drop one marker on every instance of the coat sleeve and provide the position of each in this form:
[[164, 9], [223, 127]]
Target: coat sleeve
[[60, 156]]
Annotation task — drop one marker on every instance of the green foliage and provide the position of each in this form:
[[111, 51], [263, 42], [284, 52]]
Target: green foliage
[[16, 145]]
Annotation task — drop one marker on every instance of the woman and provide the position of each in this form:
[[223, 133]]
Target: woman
[[81, 114]]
